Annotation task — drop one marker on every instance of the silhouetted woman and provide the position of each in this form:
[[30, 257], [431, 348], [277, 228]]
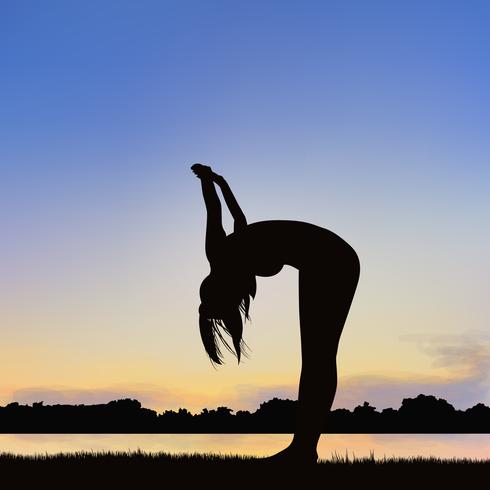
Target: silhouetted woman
[[328, 274]]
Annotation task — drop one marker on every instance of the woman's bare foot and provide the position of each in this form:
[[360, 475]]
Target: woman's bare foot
[[292, 455]]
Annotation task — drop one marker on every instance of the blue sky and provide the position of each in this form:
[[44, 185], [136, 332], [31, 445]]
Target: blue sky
[[368, 118]]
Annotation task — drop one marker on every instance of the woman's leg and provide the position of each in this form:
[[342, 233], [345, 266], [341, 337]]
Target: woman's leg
[[323, 311], [325, 296]]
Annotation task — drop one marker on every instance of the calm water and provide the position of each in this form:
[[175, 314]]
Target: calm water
[[443, 446]]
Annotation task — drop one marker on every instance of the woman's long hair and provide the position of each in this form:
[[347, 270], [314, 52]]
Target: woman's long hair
[[216, 327]]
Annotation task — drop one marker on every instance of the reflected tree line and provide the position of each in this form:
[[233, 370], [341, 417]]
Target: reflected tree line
[[423, 414]]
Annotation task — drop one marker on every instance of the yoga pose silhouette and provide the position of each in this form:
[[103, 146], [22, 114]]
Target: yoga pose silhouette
[[328, 275]]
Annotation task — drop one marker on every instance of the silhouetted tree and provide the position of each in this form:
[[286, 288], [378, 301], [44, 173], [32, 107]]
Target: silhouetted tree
[[276, 415], [426, 413], [477, 418], [365, 416]]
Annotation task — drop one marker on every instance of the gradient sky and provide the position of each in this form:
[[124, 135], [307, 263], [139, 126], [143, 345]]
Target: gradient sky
[[371, 119]]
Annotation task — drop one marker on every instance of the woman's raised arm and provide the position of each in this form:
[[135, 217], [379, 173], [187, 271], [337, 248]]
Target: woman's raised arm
[[239, 219]]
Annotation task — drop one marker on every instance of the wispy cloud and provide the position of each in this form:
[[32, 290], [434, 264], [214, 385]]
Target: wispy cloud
[[466, 362], [464, 382], [466, 355]]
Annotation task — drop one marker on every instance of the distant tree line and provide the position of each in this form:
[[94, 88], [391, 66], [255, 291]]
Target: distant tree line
[[423, 414]]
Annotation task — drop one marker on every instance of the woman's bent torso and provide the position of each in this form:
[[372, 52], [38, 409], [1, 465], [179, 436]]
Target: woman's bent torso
[[265, 247]]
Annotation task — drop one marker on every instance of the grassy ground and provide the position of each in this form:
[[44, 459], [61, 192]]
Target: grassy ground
[[139, 470]]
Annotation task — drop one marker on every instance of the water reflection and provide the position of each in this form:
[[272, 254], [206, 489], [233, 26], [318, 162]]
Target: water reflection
[[402, 445]]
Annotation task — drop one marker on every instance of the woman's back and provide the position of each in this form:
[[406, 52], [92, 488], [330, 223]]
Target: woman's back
[[265, 246]]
